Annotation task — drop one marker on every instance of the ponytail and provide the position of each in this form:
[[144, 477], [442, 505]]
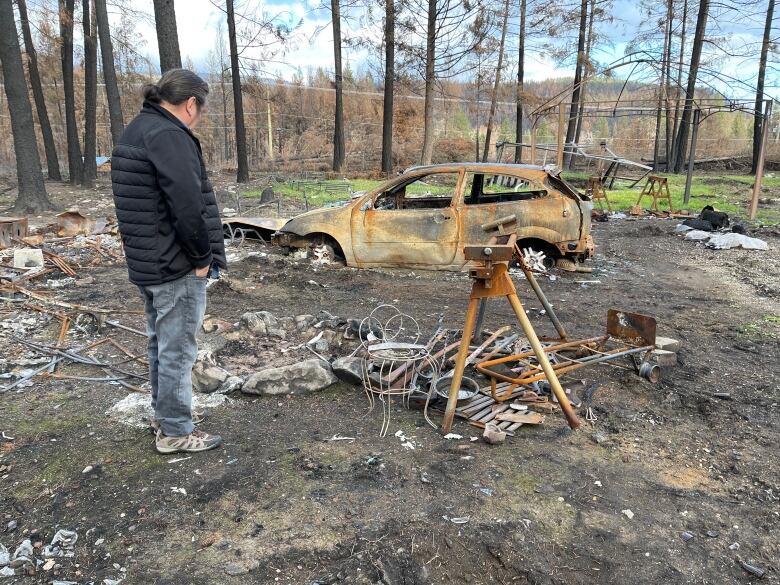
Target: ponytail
[[151, 92], [177, 86]]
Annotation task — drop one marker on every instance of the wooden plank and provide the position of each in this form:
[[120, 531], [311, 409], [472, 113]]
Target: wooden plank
[[493, 412], [526, 418]]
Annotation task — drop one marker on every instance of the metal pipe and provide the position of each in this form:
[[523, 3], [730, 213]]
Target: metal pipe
[[530, 334], [529, 276], [460, 364]]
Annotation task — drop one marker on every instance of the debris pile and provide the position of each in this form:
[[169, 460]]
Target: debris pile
[[712, 229], [45, 330]]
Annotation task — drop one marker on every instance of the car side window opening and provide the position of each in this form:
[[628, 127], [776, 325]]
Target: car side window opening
[[434, 191], [492, 188]]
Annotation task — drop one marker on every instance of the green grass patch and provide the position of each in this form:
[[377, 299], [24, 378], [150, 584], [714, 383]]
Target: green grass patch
[[767, 326], [317, 195], [729, 193]]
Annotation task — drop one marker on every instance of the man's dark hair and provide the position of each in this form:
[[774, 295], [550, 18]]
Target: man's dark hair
[[177, 86]]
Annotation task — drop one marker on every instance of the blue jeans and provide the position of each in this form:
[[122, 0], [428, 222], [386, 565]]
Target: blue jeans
[[174, 313]]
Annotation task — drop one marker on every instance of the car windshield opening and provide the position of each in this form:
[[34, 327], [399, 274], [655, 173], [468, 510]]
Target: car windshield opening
[[433, 191], [490, 188]]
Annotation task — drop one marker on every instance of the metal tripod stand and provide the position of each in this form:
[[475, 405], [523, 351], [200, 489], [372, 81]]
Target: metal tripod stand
[[491, 279]]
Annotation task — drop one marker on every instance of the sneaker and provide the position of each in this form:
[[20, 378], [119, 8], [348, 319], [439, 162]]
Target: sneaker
[[197, 418], [193, 443]]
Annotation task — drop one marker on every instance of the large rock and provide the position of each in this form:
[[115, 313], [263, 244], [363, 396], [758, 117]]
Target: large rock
[[303, 322], [349, 370], [263, 323], [208, 378], [306, 376], [135, 409], [253, 323]]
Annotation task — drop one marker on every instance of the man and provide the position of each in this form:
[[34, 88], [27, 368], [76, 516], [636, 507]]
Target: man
[[172, 236]]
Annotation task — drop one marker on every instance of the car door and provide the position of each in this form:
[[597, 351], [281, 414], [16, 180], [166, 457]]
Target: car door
[[490, 196], [414, 222]]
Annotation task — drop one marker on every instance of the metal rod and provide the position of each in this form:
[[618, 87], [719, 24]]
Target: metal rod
[[480, 320], [529, 276], [555, 385]]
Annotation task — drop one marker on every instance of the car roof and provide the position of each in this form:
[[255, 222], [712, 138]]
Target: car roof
[[480, 166]]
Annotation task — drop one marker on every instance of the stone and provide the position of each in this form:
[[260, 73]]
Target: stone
[[135, 409], [300, 378], [241, 568], [253, 323], [208, 378], [349, 370], [277, 332], [322, 346], [214, 325], [667, 344], [232, 384], [304, 322], [262, 323], [663, 357], [493, 434], [269, 319]]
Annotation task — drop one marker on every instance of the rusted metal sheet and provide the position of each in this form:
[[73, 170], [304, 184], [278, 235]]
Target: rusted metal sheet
[[389, 226], [632, 328]]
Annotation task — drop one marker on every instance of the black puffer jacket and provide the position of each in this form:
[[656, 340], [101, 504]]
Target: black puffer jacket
[[165, 204]]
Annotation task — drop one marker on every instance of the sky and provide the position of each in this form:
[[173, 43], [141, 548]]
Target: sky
[[198, 21]]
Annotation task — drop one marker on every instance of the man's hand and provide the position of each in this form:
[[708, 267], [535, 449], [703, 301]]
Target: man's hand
[[202, 272]]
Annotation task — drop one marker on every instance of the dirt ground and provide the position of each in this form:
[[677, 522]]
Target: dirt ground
[[280, 503]]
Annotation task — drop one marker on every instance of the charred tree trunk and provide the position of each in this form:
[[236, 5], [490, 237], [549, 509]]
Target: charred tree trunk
[[167, 35], [685, 120], [496, 84], [662, 90], [758, 116], [678, 92], [430, 74], [668, 60], [338, 125], [52, 162], [109, 71], [32, 191], [575, 95], [586, 65], [75, 164], [520, 82], [242, 175], [223, 91], [90, 96], [387, 112]]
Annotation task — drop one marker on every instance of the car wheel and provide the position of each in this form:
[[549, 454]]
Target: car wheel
[[323, 254], [537, 260]]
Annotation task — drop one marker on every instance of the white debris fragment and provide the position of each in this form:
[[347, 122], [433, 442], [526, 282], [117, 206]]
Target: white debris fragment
[[697, 235], [453, 436], [179, 490], [135, 409], [733, 240], [628, 513]]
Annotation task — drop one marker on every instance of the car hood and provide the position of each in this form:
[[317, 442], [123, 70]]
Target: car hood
[[316, 215]]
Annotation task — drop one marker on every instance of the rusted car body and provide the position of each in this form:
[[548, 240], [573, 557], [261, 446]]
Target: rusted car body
[[424, 217]]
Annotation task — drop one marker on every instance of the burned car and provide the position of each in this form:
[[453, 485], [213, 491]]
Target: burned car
[[424, 217]]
